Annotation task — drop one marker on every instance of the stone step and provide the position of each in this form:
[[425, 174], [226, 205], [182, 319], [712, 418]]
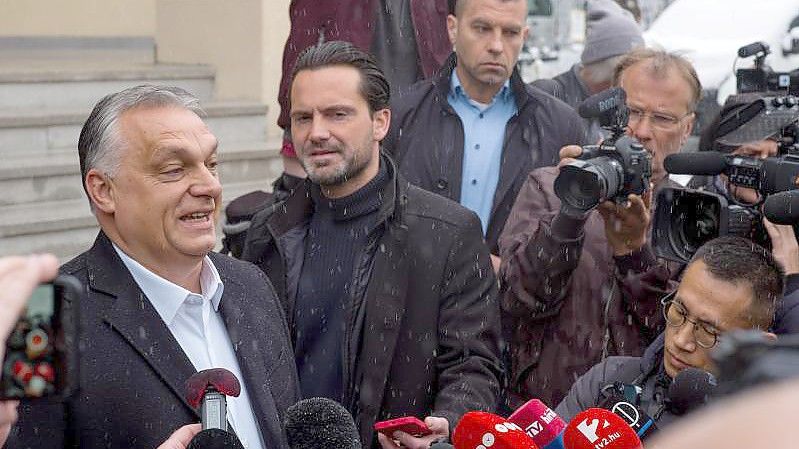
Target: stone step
[[119, 49], [80, 84], [67, 228], [56, 177], [40, 130]]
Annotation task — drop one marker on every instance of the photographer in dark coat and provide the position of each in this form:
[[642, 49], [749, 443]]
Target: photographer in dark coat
[[731, 283], [388, 289]]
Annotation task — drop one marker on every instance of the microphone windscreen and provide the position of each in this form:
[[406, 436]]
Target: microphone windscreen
[[487, 430], [540, 422], [320, 423], [599, 104], [214, 439], [223, 380], [596, 427], [690, 389], [782, 208], [696, 163]]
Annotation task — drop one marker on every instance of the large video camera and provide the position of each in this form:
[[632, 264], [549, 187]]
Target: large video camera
[[687, 218], [747, 359], [611, 170], [763, 78]]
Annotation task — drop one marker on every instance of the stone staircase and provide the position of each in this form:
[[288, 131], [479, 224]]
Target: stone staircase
[[43, 105]]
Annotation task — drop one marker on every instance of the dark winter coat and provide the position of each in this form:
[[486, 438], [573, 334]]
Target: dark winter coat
[[423, 328], [568, 301], [133, 371], [646, 372], [426, 139], [313, 21], [569, 88]]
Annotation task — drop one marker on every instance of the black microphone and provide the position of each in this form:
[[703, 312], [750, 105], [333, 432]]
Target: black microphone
[[691, 388], [643, 425], [320, 423], [207, 390], [599, 104], [782, 208], [752, 49], [699, 163]]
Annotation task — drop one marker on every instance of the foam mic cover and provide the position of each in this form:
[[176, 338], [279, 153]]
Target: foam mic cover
[[220, 379], [782, 208], [700, 163], [597, 428], [541, 423], [481, 430], [214, 439], [690, 389], [641, 423], [601, 103], [320, 423]]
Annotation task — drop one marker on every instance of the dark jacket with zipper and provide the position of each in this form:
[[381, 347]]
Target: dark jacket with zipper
[[426, 139], [422, 327]]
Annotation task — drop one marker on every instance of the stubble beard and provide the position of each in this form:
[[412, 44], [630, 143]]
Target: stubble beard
[[349, 168]]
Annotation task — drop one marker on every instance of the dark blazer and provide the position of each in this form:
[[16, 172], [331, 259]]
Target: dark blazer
[[426, 140], [423, 328], [132, 370]]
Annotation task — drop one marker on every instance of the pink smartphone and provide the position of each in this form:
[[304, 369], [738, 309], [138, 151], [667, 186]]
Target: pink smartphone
[[408, 424]]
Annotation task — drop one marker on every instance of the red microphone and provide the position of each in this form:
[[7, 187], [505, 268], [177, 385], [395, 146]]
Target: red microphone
[[541, 423], [481, 430], [598, 428], [207, 389]]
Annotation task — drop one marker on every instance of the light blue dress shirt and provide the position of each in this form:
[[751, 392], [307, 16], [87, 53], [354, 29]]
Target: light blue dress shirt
[[483, 138], [195, 323]]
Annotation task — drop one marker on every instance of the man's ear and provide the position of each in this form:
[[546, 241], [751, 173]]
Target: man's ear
[[101, 192], [452, 29], [381, 120]]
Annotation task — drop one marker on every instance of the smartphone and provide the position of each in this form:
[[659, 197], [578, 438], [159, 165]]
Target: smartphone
[[408, 424], [41, 349]]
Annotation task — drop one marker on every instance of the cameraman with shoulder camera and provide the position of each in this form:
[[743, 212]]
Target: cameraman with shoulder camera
[[583, 285]]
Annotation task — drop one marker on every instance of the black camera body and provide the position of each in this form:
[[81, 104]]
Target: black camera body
[[763, 78], [612, 170], [748, 358]]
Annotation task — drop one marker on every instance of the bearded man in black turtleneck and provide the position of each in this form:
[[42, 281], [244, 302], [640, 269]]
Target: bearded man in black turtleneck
[[388, 289]]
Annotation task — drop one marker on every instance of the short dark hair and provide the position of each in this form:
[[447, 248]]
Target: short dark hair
[[374, 85], [736, 260]]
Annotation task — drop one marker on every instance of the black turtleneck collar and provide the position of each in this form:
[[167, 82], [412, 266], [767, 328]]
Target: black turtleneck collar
[[363, 201]]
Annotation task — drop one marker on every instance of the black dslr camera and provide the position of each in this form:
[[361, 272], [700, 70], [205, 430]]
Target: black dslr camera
[[762, 78], [686, 218], [613, 169]]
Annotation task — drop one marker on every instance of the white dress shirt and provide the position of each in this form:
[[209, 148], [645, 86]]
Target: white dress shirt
[[195, 322]]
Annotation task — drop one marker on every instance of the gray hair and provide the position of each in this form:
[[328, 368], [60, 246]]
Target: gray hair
[[100, 142]]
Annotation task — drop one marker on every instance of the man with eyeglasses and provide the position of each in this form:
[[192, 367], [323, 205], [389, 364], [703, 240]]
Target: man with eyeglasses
[[583, 286], [730, 283]]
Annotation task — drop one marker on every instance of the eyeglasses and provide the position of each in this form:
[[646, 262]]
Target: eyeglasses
[[658, 120], [676, 315]]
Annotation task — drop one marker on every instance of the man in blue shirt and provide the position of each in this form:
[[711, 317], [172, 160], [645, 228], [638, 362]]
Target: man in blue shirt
[[475, 131]]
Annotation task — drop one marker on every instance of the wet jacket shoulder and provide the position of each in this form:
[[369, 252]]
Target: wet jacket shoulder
[[426, 139]]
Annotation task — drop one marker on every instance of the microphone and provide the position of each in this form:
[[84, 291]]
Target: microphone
[[207, 390], [637, 419], [320, 423], [690, 389], [596, 428], [698, 163], [599, 104], [753, 49], [782, 208], [541, 423], [487, 430]]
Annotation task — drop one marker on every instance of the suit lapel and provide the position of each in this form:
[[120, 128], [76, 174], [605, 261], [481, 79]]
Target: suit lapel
[[246, 318], [136, 320]]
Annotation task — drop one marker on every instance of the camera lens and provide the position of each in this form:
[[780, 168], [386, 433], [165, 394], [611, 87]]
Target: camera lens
[[696, 220], [584, 184]]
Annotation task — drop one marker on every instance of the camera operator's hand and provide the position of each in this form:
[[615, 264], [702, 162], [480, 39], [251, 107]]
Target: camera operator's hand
[[569, 153], [784, 246], [181, 438], [626, 225]]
